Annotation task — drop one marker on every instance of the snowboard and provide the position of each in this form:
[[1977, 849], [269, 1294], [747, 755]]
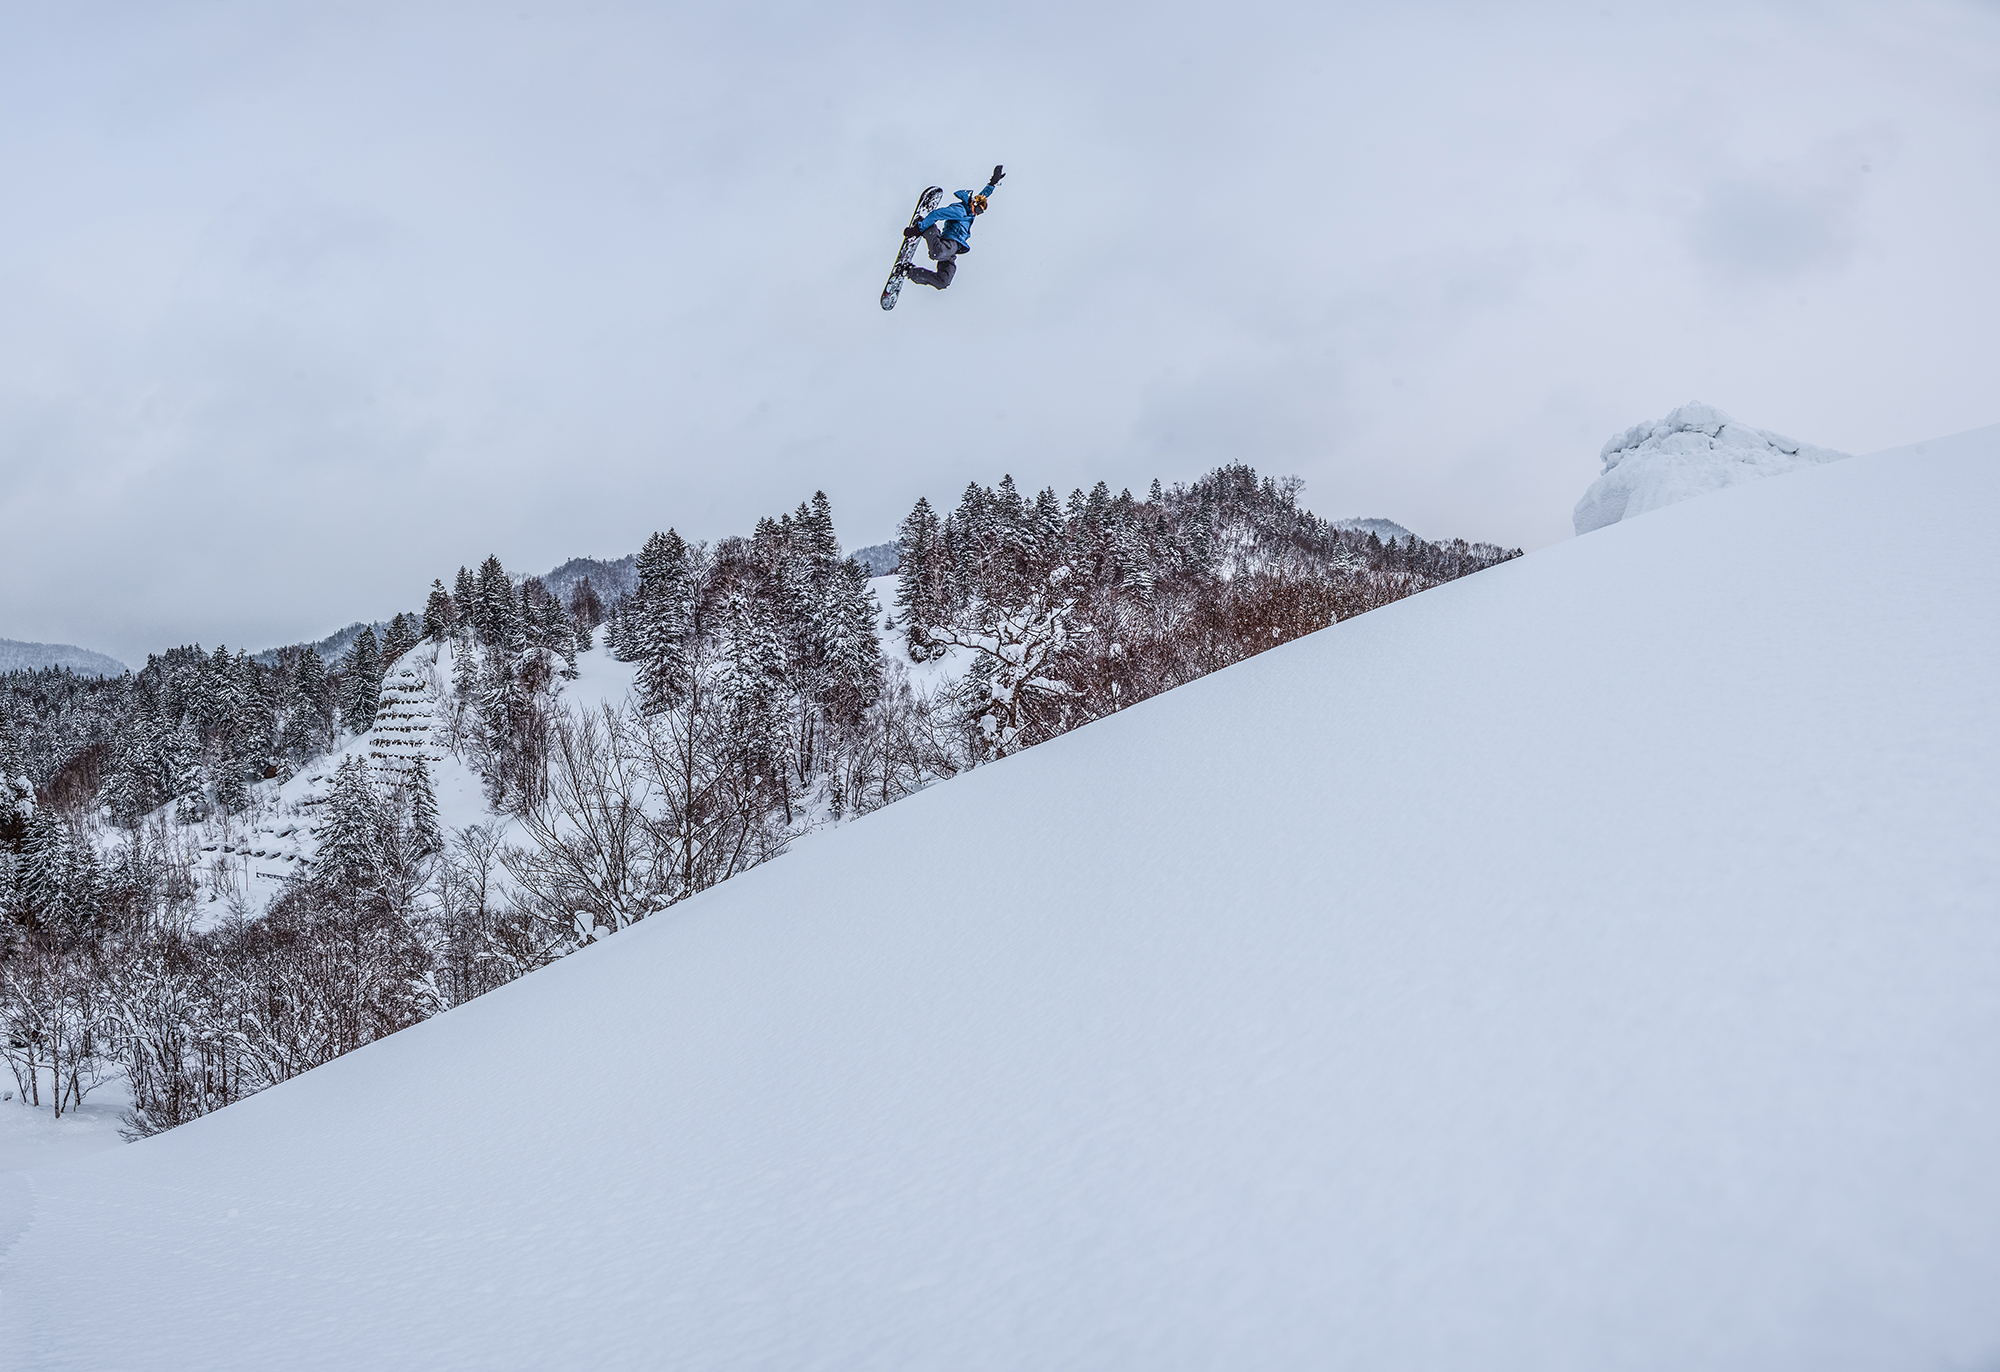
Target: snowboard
[[926, 202]]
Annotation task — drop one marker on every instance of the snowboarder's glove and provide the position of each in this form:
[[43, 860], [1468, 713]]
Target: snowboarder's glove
[[912, 231], [994, 180]]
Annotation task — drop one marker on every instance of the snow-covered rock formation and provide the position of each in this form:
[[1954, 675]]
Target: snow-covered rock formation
[[1694, 450]]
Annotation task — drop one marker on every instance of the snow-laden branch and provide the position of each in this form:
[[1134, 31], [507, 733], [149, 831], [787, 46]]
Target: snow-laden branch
[[1019, 644]]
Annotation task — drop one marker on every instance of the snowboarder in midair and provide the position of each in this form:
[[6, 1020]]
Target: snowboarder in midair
[[947, 232]]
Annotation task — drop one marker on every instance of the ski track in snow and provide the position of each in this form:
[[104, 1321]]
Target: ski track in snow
[[1588, 964]]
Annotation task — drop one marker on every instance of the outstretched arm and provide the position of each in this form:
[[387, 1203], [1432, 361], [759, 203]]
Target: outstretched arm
[[993, 181]]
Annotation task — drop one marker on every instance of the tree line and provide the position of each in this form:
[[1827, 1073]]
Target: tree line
[[763, 705]]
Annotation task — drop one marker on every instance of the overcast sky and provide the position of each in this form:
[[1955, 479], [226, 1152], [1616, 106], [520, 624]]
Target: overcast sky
[[302, 306]]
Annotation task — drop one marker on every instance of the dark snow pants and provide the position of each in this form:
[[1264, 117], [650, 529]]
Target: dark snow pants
[[944, 251]]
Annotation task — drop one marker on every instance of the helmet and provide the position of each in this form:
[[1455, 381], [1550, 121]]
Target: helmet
[[979, 204]]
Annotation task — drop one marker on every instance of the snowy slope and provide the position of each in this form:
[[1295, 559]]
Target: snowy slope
[[250, 856], [1593, 963], [1694, 450]]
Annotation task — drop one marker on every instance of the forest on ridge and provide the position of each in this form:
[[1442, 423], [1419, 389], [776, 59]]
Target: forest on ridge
[[774, 693]]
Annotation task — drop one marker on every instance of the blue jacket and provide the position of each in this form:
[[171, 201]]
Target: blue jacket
[[956, 218]]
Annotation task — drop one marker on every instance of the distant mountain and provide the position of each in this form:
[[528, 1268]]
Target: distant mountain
[[1384, 529], [610, 580], [16, 656], [620, 576], [330, 647], [880, 558]]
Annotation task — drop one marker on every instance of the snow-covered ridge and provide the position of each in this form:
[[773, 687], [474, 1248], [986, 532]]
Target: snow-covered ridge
[[1695, 449], [16, 656], [1635, 1012], [1387, 530]]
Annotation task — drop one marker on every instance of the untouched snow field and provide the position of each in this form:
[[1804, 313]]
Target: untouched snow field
[[1591, 964], [33, 1137]]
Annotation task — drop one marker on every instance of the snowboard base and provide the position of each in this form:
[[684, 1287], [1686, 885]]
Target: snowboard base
[[926, 202]]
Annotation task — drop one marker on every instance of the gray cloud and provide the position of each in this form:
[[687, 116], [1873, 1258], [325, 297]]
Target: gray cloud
[[1750, 229], [299, 309]]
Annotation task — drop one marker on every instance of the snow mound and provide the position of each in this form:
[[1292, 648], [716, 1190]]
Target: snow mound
[[1586, 964], [1694, 450]]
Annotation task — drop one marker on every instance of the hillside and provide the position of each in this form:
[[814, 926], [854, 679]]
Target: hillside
[[16, 656], [1585, 964], [1384, 529], [332, 646]]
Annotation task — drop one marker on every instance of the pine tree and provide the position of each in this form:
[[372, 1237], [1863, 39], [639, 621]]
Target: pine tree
[[655, 623], [848, 648], [232, 793], [256, 724], [1098, 507], [557, 632], [17, 793], [362, 672], [586, 607], [348, 857], [423, 809], [750, 690], [1047, 535], [57, 878], [920, 590], [465, 669], [402, 636], [123, 794], [815, 530], [438, 616], [497, 614], [309, 676], [464, 600], [186, 785]]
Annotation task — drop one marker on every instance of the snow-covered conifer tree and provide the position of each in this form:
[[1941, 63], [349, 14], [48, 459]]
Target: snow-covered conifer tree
[[423, 809], [309, 676], [587, 608], [921, 591], [123, 793], [750, 692], [186, 785], [437, 614], [57, 879], [497, 613], [464, 600], [232, 790], [653, 630], [847, 646], [402, 636], [465, 669], [362, 679], [17, 793], [350, 834], [557, 632]]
